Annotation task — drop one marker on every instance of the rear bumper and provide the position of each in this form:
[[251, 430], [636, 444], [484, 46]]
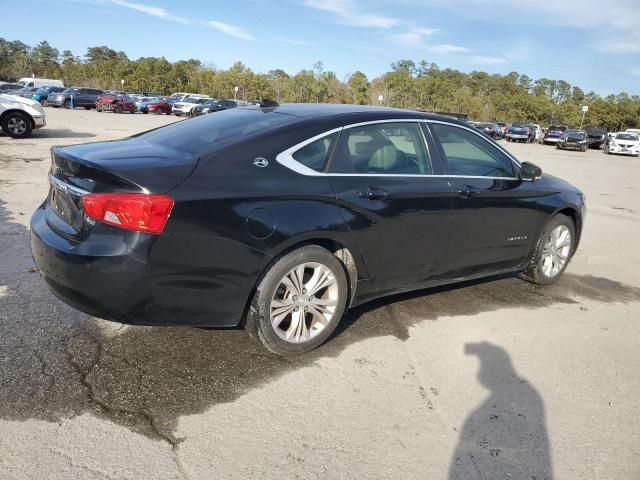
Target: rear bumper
[[135, 278], [516, 136], [551, 140], [56, 101]]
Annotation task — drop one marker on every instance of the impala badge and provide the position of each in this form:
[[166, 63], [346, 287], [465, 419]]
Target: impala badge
[[261, 162]]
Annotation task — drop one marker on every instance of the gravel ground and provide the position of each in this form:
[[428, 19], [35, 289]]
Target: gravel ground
[[489, 380]]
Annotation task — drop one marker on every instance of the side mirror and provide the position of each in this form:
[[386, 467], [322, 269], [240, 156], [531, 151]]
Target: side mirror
[[530, 172]]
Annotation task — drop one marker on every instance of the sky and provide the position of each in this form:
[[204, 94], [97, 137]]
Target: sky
[[589, 43]]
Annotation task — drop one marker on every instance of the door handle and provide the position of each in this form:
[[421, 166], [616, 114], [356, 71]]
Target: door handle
[[373, 193], [467, 191]]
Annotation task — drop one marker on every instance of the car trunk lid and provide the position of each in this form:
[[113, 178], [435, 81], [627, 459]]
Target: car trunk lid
[[126, 166]]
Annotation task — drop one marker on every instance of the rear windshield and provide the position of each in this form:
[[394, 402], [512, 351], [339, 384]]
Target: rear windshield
[[208, 133], [556, 128]]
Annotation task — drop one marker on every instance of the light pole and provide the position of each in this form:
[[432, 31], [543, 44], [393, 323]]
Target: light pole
[[235, 92], [122, 84], [585, 109]]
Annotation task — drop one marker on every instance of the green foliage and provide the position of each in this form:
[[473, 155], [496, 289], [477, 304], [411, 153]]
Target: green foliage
[[423, 86]]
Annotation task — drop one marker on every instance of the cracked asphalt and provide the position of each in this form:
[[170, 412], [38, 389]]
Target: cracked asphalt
[[488, 380]]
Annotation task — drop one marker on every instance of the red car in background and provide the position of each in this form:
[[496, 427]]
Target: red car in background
[[159, 107], [115, 102]]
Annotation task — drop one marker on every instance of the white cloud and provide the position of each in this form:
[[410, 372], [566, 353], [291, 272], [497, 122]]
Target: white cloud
[[232, 30], [414, 38], [293, 41], [150, 10], [349, 13], [447, 48], [487, 60], [635, 71]]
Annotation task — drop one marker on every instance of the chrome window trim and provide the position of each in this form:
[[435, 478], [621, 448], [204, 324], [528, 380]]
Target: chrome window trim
[[59, 184], [285, 158]]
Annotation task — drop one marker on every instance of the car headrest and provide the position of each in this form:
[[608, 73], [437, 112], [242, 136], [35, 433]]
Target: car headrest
[[384, 159]]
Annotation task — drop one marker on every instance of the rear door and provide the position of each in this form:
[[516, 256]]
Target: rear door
[[494, 211], [393, 200]]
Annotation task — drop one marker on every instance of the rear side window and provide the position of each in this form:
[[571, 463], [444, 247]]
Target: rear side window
[[315, 154], [210, 133], [382, 149], [468, 154]]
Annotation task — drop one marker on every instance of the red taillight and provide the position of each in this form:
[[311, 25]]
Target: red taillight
[[133, 211]]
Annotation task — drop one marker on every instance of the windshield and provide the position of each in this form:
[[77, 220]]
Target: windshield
[[627, 136], [575, 133], [210, 133]]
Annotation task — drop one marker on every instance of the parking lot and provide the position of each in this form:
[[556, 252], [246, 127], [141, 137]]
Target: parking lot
[[463, 382]]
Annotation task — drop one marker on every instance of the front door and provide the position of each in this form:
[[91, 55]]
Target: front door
[[397, 210], [494, 212]]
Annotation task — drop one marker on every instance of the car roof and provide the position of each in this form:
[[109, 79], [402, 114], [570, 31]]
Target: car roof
[[357, 113]]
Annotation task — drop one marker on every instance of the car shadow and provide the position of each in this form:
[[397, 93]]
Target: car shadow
[[506, 435], [60, 133], [57, 363]]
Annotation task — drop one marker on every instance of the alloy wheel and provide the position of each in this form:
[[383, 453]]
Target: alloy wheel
[[555, 252], [17, 125], [304, 302]]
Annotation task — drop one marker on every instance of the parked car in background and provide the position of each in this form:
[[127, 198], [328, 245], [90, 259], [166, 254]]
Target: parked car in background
[[185, 106], [573, 139], [157, 107], [213, 105], [115, 103], [490, 129], [504, 126], [8, 87], [20, 116], [40, 82], [633, 130], [596, 137], [25, 92], [624, 143], [553, 134], [518, 132], [42, 93], [180, 96], [75, 97]]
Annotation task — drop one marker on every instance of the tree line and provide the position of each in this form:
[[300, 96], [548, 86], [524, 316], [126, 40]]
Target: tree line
[[422, 85]]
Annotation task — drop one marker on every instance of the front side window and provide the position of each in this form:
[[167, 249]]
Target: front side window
[[470, 155], [383, 149], [315, 154]]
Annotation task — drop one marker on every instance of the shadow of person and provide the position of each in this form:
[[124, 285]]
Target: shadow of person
[[505, 437]]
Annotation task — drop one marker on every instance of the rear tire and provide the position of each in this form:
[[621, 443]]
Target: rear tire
[[281, 315], [67, 104], [551, 255], [44, 102]]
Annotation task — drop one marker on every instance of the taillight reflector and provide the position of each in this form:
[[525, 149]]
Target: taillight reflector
[[134, 211]]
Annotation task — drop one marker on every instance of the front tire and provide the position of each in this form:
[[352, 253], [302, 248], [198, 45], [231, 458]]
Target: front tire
[[17, 125], [67, 104], [552, 252], [44, 102], [299, 301]]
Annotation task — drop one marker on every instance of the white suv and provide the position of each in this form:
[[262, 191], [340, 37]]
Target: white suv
[[19, 116]]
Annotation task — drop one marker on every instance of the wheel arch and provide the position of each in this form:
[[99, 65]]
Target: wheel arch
[[17, 110], [574, 214], [339, 249]]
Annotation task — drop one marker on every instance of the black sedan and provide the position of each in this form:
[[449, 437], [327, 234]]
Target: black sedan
[[279, 219], [573, 139], [596, 137], [211, 106]]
